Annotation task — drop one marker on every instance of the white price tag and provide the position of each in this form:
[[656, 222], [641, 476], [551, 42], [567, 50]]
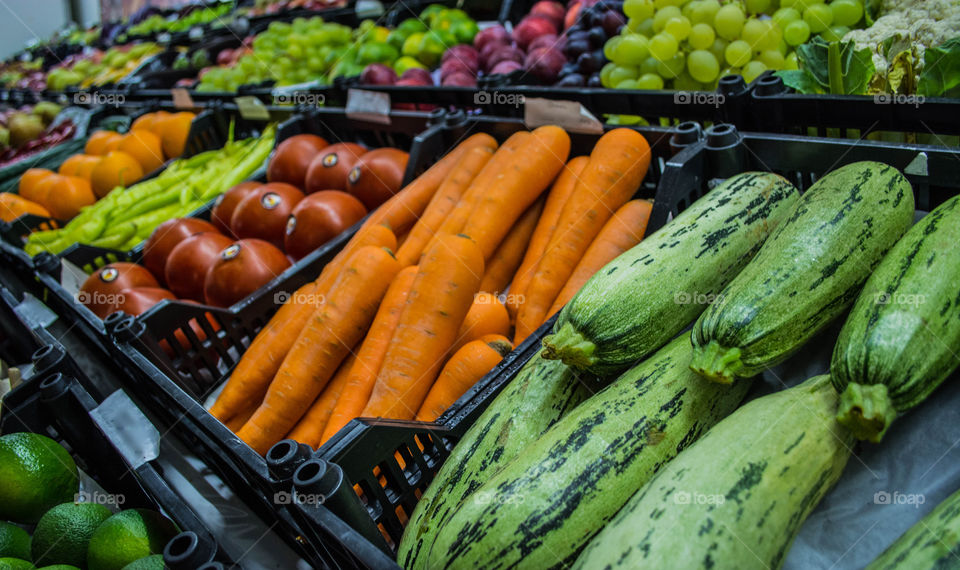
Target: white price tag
[[71, 277], [567, 114], [181, 98], [370, 106], [251, 108]]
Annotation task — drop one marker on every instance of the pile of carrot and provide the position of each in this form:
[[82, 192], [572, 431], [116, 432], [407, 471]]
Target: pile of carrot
[[493, 241]]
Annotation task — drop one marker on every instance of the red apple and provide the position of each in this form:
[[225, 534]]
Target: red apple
[[378, 74], [505, 67], [573, 11], [545, 64], [452, 66], [318, 218], [504, 53], [459, 79], [493, 34], [188, 263], [165, 237], [531, 28], [240, 269], [462, 51], [550, 41], [416, 76], [554, 11]]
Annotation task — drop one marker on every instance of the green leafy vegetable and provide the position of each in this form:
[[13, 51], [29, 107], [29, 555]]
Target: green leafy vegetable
[[842, 70], [941, 70]]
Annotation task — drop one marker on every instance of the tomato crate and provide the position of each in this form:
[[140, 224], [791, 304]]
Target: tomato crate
[[180, 384]]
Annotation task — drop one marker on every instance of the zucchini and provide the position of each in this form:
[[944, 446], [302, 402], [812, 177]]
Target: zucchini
[[645, 297], [807, 274], [543, 507], [542, 392], [934, 542], [900, 340], [737, 497]]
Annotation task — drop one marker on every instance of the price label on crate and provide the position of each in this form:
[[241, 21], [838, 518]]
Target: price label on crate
[[251, 108], [181, 98], [567, 114], [71, 276], [134, 436], [370, 106]]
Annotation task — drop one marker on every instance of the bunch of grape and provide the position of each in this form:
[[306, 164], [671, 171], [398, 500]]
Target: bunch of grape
[[691, 44]]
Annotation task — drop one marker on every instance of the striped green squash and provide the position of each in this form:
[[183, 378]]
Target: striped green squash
[[542, 392], [542, 509], [807, 274], [931, 544], [737, 497], [646, 296], [901, 338]]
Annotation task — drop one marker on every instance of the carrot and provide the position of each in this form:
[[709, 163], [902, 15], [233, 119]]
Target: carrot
[[558, 196], [505, 261], [261, 361], [310, 427], [516, 187], [487, 315], [241, 418], [363, 374], [443, 202], [617, 165], [461, 372], [439, 299], [621, 232], [401, 211], [336, 325]]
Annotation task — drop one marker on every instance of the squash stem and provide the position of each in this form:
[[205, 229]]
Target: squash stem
[[716, 363], [569, 346], [867, 411]]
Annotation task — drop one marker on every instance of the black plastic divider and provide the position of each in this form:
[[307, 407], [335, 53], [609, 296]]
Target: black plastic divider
[[179, 386]]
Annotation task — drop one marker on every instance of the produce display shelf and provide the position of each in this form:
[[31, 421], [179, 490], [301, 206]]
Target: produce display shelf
[[182, 384]]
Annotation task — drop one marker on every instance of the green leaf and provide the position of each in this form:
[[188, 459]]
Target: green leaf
[[855, 66], [900, 74], [941, 70], [800, 81]]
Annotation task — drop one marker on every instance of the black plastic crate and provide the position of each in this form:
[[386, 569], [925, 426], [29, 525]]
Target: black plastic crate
[[365, 450], [179, 385]]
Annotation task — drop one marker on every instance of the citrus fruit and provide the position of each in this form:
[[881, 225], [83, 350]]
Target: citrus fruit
[[15, 564], [13, 206], [14, 541], [98, 141], [128, 536], [37, 474], [79, 165], [67, 195], [64, 532], [145, 147], [173, 131], [152, 562], [115, 169], [30, 181]]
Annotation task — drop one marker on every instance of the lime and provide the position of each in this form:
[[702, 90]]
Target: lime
[[37, 474], [406, 62], [431, 48], [152, 562], [411, 46], [63, 533], [60, 567], [464, 31], [377, 52], [15, 564], [127, 536], [14, 541]]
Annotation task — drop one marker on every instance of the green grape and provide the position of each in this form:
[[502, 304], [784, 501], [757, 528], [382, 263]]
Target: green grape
[[835, 33], [649, 81], [294, 50], [772, 36], [663, 46], [729, 21], [701, 36], [752, 70], [730, 71], [684, 82], [672, 67], [791, 61], [753, 32], [663, 16], [631, 50], [846, 12], [797, 33], [702, 65], [738, 53], [622, 73], [605, 72], [773, 59], [678, 28], [719, 49], [687, 9], [784, 16], [705, 12], [758, 6], [649, 65], [638, 9], [661, 4], [610, 47], [646, 28], [818, 17], [628, 84], [633, 24], [783, 47]]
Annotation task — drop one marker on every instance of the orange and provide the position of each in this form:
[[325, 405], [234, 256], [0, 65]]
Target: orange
[[115, 169], [29, 186], [149, 121], [67, 195], [13, 206], [145, 147], [98, 141], [79, 165], [173, 130]]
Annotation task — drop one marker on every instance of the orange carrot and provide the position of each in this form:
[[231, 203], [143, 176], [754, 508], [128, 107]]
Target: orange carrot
[[336, 325], [443, 202], [261, 361], [487, 315], [621, 232], [504, 263], [439, 299], [401, 211], [241, 418], [461, 372], [516, 187], [617, 165], [558, 196], [310, 427], [364, 372]]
